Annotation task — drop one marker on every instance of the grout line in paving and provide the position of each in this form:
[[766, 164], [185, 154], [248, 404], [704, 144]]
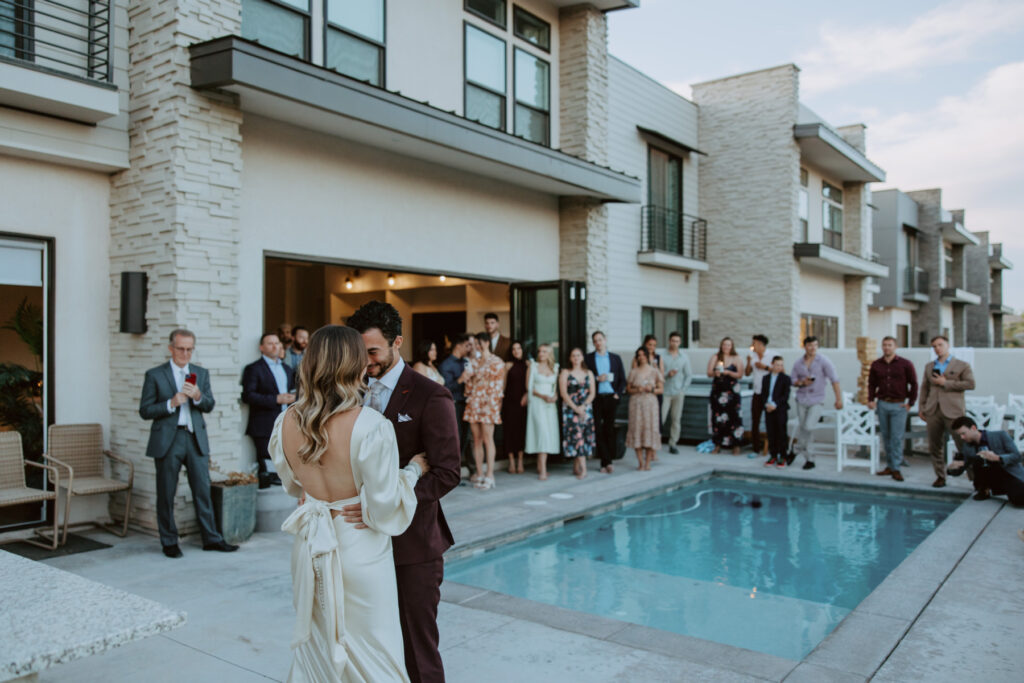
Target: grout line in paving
[[221, 659]]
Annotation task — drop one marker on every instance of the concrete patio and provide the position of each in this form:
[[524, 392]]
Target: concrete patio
[[947, 612]]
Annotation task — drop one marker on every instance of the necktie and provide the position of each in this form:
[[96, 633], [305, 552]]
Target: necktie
[[376, 396]]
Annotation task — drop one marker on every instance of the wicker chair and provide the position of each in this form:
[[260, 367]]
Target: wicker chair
[[13, 490], [79, 450]]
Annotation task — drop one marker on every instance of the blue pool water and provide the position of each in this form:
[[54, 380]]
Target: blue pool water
[[704, 561]]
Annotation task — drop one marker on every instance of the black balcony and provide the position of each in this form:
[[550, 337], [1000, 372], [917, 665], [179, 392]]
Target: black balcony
[[915, 283], [673, 232], [71, 37]]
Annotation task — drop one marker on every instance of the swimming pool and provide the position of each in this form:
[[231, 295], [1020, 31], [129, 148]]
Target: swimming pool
[[763, 566]]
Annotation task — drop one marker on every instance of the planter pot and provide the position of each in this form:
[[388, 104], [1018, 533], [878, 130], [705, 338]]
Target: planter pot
[[234, 508]]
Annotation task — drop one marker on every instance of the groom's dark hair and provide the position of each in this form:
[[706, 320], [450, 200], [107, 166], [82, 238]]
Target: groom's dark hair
[[377, 314]]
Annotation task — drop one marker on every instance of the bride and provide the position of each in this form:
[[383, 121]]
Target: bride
[[330, 452]]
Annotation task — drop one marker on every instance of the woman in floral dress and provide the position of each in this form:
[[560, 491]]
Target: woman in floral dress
[[725, 368], [643, 386], [485, 389], [576, 385]]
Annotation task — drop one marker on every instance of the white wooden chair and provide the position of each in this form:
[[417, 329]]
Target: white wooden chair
[[855, 428], [1015, 408], [819, 443]]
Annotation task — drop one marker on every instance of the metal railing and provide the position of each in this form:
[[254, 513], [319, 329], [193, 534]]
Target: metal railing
[[72, 37], [673, 232], [915, 280]]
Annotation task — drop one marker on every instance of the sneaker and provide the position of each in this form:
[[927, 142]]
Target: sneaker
[[753, 454], [771, 461], [781, 462], [673, 450], [809, 465]]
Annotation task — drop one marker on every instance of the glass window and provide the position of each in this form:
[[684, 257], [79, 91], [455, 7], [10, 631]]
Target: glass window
[[824, 327], [354, 57], [365, 17], [832, 216], [280, 25], [491, 10], [531, 29], [832, 193], [532, 79], [804, 212], [662, 322], [15, 33], [485, 78], [804, 177]]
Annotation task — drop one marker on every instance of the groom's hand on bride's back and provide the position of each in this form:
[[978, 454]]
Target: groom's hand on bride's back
[[353, 514]]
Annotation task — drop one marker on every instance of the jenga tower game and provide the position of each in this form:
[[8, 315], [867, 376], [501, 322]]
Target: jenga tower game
[[867, 352]]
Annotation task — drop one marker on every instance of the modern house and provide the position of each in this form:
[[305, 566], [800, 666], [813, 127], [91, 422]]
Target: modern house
[[985, 266], [788, 197]]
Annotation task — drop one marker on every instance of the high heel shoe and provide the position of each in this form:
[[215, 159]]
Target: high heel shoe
[[488, 483]]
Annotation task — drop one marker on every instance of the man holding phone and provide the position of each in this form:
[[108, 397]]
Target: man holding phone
[[611, 384], [992, 457], [268, 388], [942, 400], [174, 396]]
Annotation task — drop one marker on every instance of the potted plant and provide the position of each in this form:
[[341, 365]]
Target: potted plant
[[234, 505]]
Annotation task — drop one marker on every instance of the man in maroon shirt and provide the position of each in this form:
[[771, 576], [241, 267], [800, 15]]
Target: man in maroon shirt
[[892, 389]]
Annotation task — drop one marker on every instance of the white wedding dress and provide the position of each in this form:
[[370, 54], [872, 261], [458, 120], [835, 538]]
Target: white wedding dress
[[343, 578]]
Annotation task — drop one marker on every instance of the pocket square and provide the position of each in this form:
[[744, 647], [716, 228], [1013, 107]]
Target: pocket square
[[402, 417]]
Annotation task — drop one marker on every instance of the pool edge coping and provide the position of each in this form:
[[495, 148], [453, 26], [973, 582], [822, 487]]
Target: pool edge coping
[[866, 622]]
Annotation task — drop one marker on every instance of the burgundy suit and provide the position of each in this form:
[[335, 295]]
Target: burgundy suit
[[423, 414]]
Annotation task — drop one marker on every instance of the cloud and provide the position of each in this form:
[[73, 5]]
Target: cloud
[[944, 35]]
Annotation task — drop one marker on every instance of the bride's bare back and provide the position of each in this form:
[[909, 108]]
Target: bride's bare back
[[331, 479]]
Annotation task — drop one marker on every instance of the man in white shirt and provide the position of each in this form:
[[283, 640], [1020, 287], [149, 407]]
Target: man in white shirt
[[678, 376], [175, 396], [759, 362], [501, 346]]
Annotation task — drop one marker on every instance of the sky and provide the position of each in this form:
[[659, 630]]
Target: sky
[[940, 86]]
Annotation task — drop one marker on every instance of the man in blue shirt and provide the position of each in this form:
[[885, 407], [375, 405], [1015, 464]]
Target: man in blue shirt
[[455, 370], [611, 384], [268, 388]]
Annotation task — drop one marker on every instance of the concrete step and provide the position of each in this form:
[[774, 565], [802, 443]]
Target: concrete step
[[273, 506]]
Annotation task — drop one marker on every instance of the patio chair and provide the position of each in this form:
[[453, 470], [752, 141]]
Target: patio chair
[[78, 449], [979, 402], [14, 489], [1015, 411], [826, 425], [855, 428]]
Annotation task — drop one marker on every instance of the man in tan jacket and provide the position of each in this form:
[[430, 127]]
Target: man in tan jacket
[[942, 401]]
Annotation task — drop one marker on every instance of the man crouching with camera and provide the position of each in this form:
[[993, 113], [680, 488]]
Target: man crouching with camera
[[992, 457]]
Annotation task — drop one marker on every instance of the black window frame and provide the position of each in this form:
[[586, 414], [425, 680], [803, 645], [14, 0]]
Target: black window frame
[[466, 82], [382, 46], [682, 328], [307, 37], [23, 20], [682, 169], [517, 10], [515, 100], [489, 20]]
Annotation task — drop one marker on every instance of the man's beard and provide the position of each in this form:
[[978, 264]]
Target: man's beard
[[299, 346], [378, 370]]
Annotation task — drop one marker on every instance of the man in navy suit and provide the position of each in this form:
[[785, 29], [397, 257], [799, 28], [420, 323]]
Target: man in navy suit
[[268, 388], [423, 414], [994, 459], [774, 391], [611, 385], [174, 396]]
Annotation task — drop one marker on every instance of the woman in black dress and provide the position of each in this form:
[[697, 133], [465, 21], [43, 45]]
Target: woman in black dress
[[725, 368], [513, 409]]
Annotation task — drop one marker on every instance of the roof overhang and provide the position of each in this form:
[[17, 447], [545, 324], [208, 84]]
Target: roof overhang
[[306, 95], [665, 259], [38, 89], [827, 150], [1000, 309], [835, 261], [955, 233], [959, 296], [999, 262], [679, 146], [603, 5]]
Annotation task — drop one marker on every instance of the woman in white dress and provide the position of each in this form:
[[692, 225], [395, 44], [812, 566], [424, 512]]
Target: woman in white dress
[[542, 433], [330, 452]]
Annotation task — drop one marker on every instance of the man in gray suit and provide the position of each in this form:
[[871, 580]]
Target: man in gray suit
[[174, 396], [994, 459]]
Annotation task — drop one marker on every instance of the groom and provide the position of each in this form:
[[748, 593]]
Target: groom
[[423, 414]]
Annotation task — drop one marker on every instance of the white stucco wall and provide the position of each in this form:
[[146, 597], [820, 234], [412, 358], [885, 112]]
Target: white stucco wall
[[882, 323], [823, 294], [637, 100]]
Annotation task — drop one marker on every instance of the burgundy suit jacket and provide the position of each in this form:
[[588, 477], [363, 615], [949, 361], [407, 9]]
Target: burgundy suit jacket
[[423, 414]]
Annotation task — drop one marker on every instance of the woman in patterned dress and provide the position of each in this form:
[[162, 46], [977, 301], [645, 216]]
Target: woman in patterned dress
[[485, 388], [725, 368], [643, 386], [576, 384]]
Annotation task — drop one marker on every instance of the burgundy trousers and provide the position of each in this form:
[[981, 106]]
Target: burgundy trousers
[[419, 592]]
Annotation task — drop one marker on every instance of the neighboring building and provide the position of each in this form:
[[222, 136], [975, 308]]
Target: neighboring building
[[897, 240], [788, 201], [985, 266]]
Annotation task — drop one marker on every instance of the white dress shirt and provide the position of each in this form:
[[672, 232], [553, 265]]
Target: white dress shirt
[[389, 381], [757, 375], [185, 414]]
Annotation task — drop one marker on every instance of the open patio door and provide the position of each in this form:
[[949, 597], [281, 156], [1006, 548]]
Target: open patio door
[[550, 313]]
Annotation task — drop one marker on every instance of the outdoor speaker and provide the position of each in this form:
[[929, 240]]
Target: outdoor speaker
[[695, 330], [133, 303]]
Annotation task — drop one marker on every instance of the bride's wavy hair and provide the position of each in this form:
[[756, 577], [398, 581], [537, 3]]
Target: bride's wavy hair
[[330, 382]]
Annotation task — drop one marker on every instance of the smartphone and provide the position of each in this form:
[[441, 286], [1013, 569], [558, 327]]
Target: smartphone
[[935, 372], [191, 378]]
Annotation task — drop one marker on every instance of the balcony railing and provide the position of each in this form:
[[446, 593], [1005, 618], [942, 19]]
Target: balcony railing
[[72, 37], [915, 281], [673, 232]]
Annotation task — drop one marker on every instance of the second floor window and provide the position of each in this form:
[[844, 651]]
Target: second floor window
[[15, 29], [664, 180], [533, 106], [824, 327], [804, 210], [281, 25], [832, 216], [485, 78]]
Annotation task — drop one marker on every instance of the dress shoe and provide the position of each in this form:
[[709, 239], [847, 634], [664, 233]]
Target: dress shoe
[[897, 476], [809, 465], [885, 473], [222, 546], [938, 483], [982, 495], [172, 550], [673, 450]]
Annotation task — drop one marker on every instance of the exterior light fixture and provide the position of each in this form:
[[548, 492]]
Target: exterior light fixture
[[391, 279], [348, 283], [443, 278]]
